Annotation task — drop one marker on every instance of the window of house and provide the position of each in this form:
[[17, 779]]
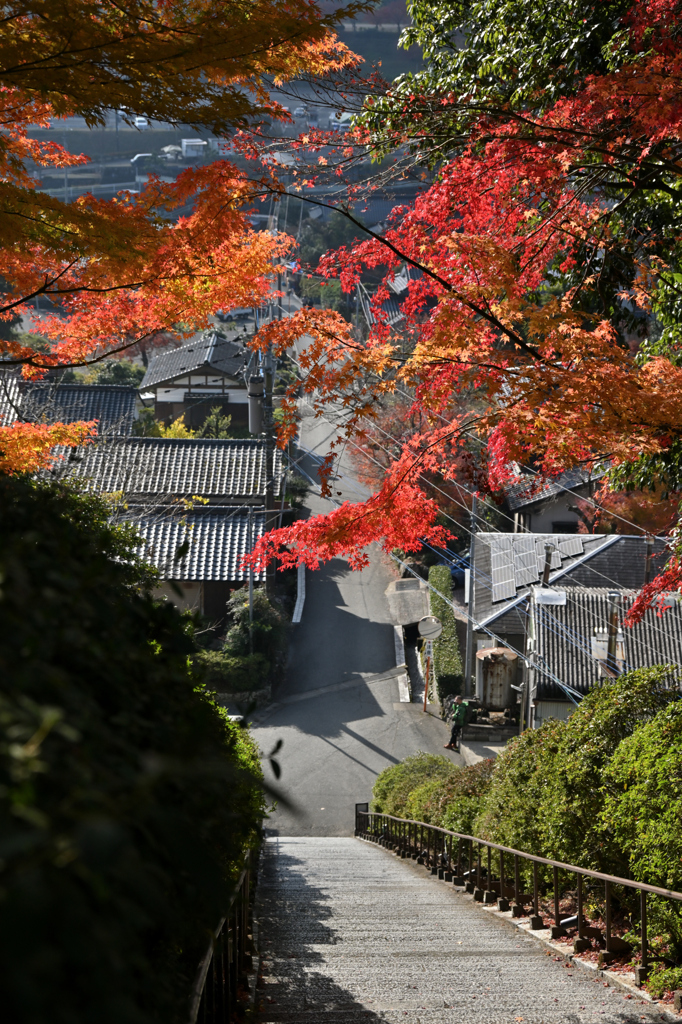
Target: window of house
[[571, 527]]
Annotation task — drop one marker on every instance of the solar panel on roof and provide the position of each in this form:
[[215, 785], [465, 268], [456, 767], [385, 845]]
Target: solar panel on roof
[[571, 546], [504, 589], [503, 576], [525, 567]]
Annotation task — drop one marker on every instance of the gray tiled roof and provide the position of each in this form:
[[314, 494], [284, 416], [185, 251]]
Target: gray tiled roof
[[113, 405], [529, 490], [507, 564], [154, 467], [563, 639], [218, 538], [210, 350]]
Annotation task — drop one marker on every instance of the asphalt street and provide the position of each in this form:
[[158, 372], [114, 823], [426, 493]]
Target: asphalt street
[[338, 711]]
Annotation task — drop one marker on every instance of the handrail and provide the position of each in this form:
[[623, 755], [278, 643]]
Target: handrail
[[226, 959], [615, 879], [434, 847]]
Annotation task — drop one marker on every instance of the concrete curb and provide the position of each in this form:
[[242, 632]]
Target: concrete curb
[[522, 924]]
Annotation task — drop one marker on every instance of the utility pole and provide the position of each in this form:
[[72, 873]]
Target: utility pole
[[470, 609], [250, 580], [649, 556], [611, 652], [269, 428]]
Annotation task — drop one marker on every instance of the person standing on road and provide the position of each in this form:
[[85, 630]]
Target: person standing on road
[[459, 710]]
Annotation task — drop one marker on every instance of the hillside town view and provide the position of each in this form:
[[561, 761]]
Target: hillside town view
[[340, 530]]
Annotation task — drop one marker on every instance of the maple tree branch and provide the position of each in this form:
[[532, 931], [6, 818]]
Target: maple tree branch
[[481, 311]]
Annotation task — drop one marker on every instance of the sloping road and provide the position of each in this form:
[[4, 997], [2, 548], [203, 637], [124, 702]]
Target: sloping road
[[338, 712]]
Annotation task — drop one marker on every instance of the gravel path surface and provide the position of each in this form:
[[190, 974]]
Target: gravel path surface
[[350, 933]]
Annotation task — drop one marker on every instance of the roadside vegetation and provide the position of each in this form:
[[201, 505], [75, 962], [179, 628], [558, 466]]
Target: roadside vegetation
[[252, 655], [127, 796], [447, 660]]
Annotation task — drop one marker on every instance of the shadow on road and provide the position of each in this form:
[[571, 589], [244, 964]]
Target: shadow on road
[[294, 918]]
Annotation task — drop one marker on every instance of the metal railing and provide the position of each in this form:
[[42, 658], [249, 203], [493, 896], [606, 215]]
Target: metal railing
[[459, 858], [223, 969]]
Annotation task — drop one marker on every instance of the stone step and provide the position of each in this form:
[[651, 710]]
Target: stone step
[[348, 932]]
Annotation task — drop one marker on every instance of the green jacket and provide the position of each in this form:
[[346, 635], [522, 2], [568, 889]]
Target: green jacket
[[459, 713]]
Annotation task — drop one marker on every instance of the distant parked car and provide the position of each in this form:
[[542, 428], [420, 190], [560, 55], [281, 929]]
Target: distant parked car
[[340, 123], [142, 123], [300, 111], [234, 314]]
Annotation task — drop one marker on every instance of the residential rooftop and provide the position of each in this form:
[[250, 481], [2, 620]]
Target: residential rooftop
[[209, 352], [112, 405], [508, 564], [154, 468], [218, 538], [563, 639]]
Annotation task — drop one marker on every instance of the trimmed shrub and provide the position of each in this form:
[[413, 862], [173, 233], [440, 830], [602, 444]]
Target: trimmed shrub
[[127, 796], [510, 811], [573, 799], [642, 812], [232, 673], [394, 785], [447, 661], [430, 788], [455, 802]]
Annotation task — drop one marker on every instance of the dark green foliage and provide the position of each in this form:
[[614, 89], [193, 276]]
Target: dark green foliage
[[216, 425], [323, 235], [232, 673], [116, 371], [495, 55], [146, 424], [574, 798], [455, 800], [446, 656], [547, 794], [510, 810], [250, 658], [430, 788], [297, 490], [126, 795], [643, 811], [394, 786], [268, 632]]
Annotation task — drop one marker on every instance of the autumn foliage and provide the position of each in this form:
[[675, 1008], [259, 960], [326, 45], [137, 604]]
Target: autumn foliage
[[121, 272], [539, 260]]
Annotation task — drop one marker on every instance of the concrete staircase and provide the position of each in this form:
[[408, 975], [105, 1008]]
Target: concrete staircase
[[349, 933]]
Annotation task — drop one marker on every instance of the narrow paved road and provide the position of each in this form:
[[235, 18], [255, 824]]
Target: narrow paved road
[[338, 712], [349, 933]]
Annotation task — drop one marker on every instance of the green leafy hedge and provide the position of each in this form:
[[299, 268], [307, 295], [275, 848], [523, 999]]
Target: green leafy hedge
[[126, 795], [446, 655], [430, 788]]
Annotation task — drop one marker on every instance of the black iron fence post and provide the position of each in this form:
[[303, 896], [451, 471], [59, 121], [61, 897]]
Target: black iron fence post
[[644, 968]]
